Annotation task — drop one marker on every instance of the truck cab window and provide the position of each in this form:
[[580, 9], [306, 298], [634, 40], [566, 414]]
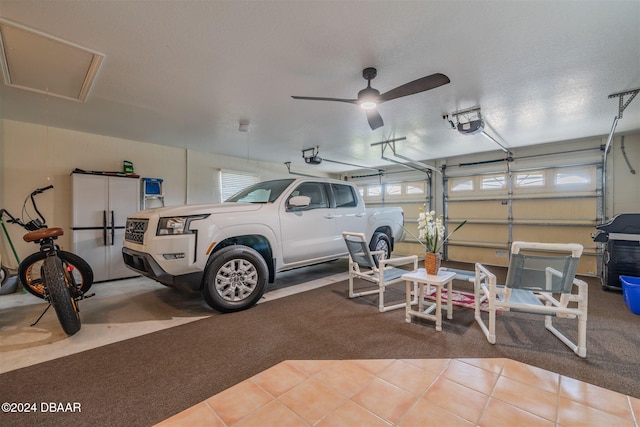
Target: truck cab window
[[344, 196], [315, 192]]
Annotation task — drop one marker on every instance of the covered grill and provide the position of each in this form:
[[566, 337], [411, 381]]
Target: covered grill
[[622, 253]]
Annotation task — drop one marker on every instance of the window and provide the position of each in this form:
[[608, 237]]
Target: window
[[496, 182], [394, 189], [462, 184], [374, 191], [262, 192], [232, 182], [415, 188], [579, 177], [344, 196], [315, 192], [527, 180]]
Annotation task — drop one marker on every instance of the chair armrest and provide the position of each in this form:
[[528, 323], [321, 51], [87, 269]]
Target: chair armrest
[[583, 290], [400, 261], [482, 273], [465, 275], [579, 283]]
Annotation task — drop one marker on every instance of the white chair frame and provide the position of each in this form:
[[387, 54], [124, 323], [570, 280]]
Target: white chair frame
[[383, 274], [543, 303]]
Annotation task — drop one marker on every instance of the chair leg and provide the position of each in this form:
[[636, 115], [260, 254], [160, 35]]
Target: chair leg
[[351, 293], [581, 348], [480, 294], [382, 308], [491, 337], [352, 290], [582, 336]]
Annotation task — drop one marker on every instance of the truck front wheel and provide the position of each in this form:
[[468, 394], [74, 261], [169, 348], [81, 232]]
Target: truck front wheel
[[381, 242], [235, 279]]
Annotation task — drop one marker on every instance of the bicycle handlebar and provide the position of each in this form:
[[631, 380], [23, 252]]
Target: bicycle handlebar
[[33, 202], [42, 190]]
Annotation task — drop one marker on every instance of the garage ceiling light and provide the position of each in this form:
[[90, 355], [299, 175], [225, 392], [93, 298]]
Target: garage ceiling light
[[38, 62]]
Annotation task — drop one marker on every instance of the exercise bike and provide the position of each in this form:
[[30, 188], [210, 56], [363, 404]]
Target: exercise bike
[[61, 278]]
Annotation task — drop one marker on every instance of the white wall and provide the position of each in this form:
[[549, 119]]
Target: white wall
[[34, 156]]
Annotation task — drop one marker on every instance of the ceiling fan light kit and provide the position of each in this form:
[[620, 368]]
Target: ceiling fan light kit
[[369, 98], [368, 105]]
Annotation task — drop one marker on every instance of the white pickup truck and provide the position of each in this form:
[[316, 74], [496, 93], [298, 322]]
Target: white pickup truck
[[229, 251]]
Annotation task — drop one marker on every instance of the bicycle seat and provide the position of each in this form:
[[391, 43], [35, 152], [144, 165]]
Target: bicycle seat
[[45, 233]]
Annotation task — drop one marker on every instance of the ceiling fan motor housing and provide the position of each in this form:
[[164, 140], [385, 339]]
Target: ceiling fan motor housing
[[368, 94], [369, 73]]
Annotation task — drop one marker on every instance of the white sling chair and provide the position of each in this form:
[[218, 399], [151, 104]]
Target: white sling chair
[[380, 271], [534, 280]]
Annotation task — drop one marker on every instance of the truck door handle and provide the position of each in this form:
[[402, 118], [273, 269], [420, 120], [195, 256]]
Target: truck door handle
[[329, 216]]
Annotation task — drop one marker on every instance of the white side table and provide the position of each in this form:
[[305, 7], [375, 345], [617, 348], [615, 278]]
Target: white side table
[[421, 278]]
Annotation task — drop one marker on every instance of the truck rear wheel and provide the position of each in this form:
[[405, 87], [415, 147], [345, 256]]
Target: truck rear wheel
[[235, 279], [381, 242]]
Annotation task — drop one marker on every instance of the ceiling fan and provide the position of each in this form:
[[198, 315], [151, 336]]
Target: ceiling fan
[[369, 98]]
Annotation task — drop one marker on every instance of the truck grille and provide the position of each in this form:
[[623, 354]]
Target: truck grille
[[134, 231]]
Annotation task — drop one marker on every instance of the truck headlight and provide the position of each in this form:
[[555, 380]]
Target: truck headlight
[[176, 224]]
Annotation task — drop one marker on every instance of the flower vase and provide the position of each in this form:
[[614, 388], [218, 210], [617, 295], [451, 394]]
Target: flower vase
[[432, 261]]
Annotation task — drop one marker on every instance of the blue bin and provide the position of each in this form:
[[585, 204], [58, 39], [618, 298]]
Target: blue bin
[[631, 292]]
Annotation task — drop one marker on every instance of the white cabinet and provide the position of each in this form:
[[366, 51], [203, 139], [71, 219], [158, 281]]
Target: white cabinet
[[101, 204]]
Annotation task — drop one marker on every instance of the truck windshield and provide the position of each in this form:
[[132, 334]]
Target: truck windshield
[[262, 192]]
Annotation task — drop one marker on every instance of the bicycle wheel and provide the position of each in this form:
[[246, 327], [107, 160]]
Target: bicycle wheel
[[59, 295], [30, 273]]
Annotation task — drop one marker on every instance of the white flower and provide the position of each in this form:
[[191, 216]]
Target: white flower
[[431, 229]]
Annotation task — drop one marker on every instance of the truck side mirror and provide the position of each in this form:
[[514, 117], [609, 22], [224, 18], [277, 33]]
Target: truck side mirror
[[299, 202]]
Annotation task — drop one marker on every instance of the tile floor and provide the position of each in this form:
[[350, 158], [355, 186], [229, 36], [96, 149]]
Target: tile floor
[[417, 392]]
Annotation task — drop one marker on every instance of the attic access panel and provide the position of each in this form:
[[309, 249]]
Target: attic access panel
[[38, 62]]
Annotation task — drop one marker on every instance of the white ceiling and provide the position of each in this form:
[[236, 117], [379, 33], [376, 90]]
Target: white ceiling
[[184, 73]]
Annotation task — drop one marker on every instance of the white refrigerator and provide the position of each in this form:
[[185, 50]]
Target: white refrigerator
[[101, 204]]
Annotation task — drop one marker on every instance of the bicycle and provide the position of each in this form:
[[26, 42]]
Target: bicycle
[[61, 278]]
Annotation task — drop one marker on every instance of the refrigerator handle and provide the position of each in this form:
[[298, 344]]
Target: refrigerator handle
[[113, 229], [104, 228]]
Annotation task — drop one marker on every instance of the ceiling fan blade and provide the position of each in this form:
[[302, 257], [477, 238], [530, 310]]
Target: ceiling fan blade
[[416, 86], [375, 119], [313, 98]]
